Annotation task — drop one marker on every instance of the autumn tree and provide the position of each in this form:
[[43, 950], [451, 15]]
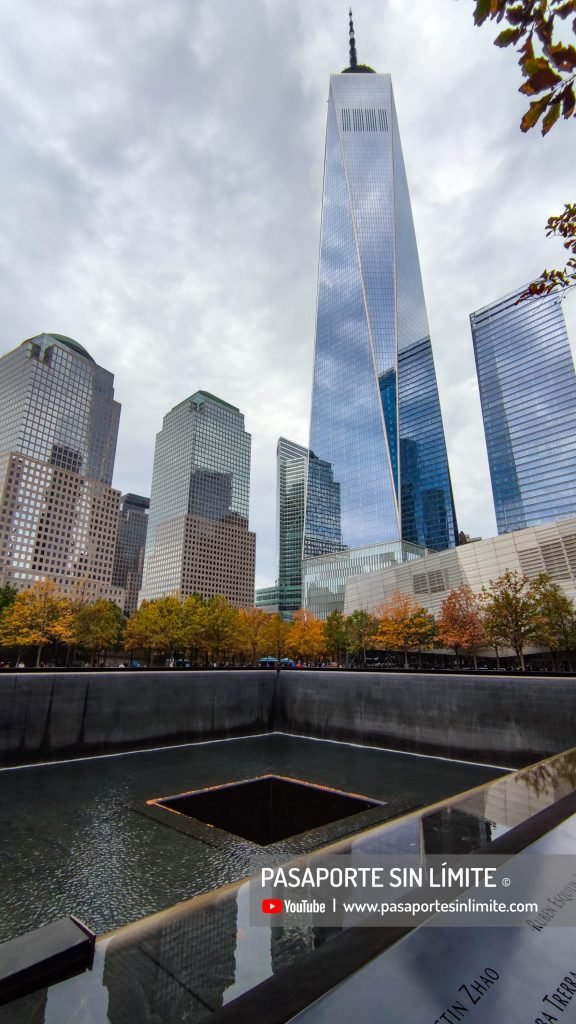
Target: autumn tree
[[157, 626], [194, 615], [252, 623], [460, 623], [36, 618], [98, 627], [138, 635], [306, 637], [360, 627], [556, 616], [403, 624], [336, 635], [7, 596], [221, 627], [275, 635], [548, 64], [511, 613]]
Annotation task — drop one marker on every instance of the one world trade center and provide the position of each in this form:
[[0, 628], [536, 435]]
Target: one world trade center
[[378, 469]]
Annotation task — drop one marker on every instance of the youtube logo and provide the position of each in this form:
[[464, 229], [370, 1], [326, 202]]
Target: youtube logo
[[272, 906]]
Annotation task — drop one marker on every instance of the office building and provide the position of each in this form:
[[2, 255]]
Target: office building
[[291, 470], [375, 418], [130, 545], [549, 548], [198, 539], [58, 430], [528, 394]]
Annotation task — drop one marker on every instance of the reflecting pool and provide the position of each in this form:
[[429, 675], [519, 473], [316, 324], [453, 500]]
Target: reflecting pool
[[77, 838]]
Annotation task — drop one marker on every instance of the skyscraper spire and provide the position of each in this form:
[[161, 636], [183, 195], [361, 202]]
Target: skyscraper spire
[[353, 58], [354, 65]]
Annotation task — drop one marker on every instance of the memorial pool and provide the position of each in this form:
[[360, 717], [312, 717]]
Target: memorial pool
[[75, 836]]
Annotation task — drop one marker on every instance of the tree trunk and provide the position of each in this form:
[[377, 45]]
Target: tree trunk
[[475, 662], [38, 656], [405, 659], [521, 656]]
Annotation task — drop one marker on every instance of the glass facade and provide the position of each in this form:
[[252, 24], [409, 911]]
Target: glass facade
[[130, 545], [198, 539], [528, 394], [291, 470], [324, 578], [58, 431], [58, 406], [378, 470]]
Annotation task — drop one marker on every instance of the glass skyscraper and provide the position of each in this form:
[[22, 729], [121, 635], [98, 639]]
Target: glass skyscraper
[[375, 422], [58, 430], [528, 395], [291, 472], [130, 545], [198, 539], [291, 468]]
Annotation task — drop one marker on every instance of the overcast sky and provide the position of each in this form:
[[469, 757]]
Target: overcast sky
[[161, 182]]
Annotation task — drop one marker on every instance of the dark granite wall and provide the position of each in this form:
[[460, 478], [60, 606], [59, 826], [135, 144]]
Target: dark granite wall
[[508, 720], [47, 715]]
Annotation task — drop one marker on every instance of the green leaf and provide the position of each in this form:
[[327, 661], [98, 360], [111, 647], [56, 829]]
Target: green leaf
[[482, 11], [563, 57], [564, 10], [551, 117], [516, 15], [531, 65], [545, 78], [544, 28], [568, 101], [509, 35], [532, 115]]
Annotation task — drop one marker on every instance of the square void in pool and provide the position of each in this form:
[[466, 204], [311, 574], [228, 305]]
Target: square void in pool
[[267, 809]]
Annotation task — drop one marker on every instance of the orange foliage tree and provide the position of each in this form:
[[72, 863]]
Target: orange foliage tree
[[306, 638], [252, 623], [460, 623], [403, 625], [38, 617]]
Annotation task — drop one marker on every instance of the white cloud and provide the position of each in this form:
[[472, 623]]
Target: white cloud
[[161, 184]]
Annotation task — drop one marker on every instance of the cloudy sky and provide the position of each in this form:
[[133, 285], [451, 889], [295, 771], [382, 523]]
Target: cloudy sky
[[161, 180]]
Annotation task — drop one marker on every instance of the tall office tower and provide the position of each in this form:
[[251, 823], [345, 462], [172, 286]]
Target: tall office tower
[[375, 417], [130, 545], [291, 468], [198, 538], [58, 430], [528, 395]]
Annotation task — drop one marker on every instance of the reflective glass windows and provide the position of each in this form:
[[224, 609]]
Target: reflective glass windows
[[528, 394], [376, 424]]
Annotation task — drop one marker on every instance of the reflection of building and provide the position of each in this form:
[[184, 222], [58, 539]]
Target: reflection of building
[[324, 533], [453, 830], [291, 470], [58, 431], [130, 543], [198, 538], [324, 579], [528, 394], [375, 417], [178, 968], [549, 548]]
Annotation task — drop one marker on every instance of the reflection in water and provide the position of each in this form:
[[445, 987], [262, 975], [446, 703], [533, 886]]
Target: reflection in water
[[555, 778], [178, 969], [182, 964], [324, 527]]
